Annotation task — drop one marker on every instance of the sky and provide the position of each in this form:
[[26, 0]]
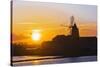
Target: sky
[[48, 18]]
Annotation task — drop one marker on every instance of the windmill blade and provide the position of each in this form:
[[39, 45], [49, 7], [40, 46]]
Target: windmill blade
[[72, 20], [64, 25], [69, 30]]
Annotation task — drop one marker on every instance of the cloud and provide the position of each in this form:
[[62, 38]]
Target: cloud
[[16, 37]]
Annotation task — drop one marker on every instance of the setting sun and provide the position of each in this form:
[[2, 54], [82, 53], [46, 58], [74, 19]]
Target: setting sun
[[36, 35]]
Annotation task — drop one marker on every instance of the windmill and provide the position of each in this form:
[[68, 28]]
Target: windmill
[[69, 28]]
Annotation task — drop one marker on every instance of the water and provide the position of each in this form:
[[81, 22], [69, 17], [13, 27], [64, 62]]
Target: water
[[50, 60]]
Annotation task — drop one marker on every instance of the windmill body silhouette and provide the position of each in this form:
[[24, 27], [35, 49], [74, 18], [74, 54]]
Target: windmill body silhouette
[[72, 28]]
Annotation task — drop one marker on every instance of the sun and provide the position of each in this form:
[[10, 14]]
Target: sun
[[36, 35]]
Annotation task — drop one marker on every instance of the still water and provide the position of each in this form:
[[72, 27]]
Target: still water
[[38, 60]]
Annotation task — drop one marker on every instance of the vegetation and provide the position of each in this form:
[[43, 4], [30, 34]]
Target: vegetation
[[60, 46]]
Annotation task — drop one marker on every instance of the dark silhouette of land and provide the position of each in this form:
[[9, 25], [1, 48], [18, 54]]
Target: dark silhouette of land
[[61, 45]]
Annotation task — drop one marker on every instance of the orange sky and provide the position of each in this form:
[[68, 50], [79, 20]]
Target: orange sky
[[48, 17]]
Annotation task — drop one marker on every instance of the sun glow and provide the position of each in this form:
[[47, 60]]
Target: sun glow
[[36, 35]]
